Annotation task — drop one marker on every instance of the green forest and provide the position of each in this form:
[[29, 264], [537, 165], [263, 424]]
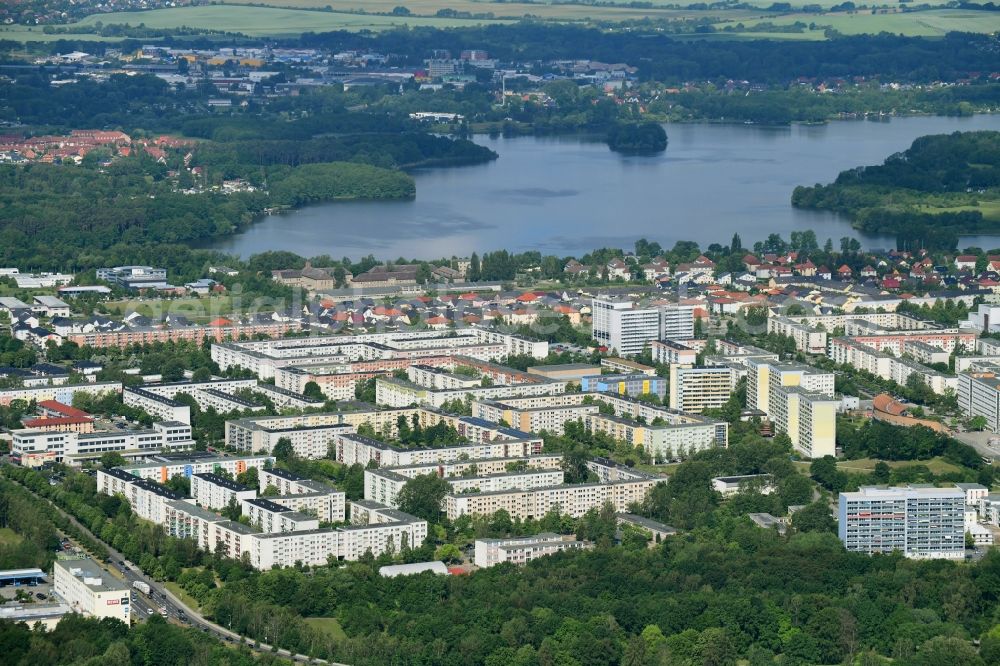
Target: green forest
[[941, 187]]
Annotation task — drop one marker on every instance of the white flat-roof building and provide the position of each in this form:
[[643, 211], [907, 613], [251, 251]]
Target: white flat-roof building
[[91, 591], [215, 492], [520, 550], [920, 522], [35, 447]]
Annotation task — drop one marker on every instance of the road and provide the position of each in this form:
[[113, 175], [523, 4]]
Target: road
[[980, 442], [161, 601]]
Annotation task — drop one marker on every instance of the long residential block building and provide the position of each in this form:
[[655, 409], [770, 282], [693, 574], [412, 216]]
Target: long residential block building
[[920, 522], [572, 500], [36, 447]]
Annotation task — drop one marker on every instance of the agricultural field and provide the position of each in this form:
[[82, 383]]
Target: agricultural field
[[930, 23], [515, 10], [263, 21], [25, 34]]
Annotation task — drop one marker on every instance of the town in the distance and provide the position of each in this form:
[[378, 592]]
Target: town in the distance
[[353, 426]]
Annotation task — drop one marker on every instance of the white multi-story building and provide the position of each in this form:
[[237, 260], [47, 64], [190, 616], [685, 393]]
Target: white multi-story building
[[807, 339], [986, 319], [162, 468], [979, 394], [147, 498], [670, 352], [156, 405], [356, 449], [677, 321], [619, 325], [62, 393], [302, 494], [920, 522], [91, 591], [395, 392], [270, 517], [35, 447], [263, 357], [520, 550], [799, 400], [696, 389], [186, 520], [384, 484], [215, 492], [572, 500]]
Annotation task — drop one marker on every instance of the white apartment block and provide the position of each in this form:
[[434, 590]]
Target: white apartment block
[[572, 500], [532, 419], [311, 433], [148, 499], [35, 447], [313, 547], [920, 522], [619, 325], [520, 550], [63, 393], [162, 468], [186, 520], [925, 353], [696, 389], [90, 591], [988, 346], [440, 379], [394, 392], [270, 517], [284, 398], [807, 339], [384, 484], [356, 449], [670, 352], [979, 395], [677, 322], [327, 506], [155, 405], [799, 400], [264, 357], [215, 492]]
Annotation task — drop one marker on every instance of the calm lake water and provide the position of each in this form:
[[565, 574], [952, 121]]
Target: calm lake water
[[566, 195]]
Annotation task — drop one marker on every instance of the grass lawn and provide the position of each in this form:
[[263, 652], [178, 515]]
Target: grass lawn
[[9, 537], [329, 625], [197, 309], [176, 590], [989, 209], [936, 465]]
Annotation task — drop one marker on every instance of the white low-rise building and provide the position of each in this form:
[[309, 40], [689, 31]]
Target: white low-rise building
[[520, 550]]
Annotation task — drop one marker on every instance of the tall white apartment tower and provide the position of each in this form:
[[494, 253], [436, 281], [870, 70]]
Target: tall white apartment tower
[[677, 322], [621, 326]]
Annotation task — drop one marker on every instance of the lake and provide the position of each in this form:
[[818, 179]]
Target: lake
[[568, 195]]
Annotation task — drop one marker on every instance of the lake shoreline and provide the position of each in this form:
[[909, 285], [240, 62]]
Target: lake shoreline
[[569, 194]]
